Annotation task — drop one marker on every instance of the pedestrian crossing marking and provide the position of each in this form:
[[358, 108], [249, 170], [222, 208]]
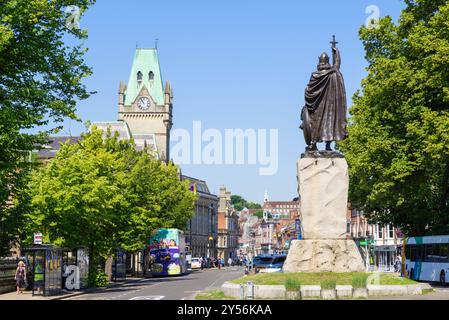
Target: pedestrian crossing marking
[[148, 298]]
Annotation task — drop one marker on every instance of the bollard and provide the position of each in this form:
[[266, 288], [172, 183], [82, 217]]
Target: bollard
[[250, 290], [242, 292]]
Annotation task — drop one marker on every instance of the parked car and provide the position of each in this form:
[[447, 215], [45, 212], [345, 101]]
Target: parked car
[[269, 263], [195, 263]]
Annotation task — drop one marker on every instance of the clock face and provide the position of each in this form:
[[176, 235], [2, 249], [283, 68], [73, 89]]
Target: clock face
[[144, 103]]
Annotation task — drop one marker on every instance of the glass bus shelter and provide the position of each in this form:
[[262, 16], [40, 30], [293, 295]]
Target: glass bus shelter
[[44, 263]]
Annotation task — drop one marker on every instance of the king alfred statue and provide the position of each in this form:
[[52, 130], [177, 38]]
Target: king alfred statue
[[324, 115]]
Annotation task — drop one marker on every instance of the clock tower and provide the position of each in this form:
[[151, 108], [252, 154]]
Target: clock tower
[[146, 105]]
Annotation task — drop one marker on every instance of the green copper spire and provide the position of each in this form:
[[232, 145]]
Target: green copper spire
[[145, 72]]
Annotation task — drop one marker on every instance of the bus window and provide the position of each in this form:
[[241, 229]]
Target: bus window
[[408, 252], [444, 252], [429, 253], [417, 253]]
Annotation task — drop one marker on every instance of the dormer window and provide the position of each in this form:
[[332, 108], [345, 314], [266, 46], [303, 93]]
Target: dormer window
[[139, 76], [151, 76]]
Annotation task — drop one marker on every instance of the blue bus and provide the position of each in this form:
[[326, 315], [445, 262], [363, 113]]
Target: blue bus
[[167, 256], [427, 259]]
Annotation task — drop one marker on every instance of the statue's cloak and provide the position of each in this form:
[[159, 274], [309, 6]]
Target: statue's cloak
[[326, 105]]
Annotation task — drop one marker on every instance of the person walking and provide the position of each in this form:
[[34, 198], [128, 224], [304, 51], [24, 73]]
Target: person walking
[[230, 261], [398, 264], [20, 277], [202, 263]]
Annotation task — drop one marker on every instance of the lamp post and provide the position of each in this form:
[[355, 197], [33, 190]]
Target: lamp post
[[211, 229]]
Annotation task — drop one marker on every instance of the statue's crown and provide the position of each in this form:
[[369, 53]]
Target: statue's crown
[[324, 58]]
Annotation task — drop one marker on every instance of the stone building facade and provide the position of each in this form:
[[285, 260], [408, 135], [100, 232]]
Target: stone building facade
[[145, 105], [202, 230], [228, 227]]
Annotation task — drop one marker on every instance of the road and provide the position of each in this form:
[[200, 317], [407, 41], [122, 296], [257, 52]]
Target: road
[[175, 288]]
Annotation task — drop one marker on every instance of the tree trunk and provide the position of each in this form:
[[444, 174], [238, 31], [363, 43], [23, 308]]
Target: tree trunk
[[108, 267]]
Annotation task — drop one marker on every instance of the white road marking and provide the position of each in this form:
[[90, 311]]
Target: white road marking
[[148, 298]]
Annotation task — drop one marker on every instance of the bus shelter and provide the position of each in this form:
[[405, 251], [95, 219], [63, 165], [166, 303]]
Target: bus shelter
[[44, 263]]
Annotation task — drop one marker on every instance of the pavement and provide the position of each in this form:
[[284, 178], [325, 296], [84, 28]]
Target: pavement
[[169, 288], [440, 293]]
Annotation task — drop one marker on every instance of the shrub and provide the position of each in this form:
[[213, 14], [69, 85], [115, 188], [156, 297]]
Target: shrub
[[98, 279], [292, 284], [328, 284], [359, 281]]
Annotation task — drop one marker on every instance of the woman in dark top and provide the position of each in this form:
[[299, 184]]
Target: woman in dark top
[[20, 277]]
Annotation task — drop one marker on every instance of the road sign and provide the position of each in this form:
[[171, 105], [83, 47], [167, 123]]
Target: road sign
[[38, 238]]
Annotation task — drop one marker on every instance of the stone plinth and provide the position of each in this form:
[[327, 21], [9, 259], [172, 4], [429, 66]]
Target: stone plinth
[[324, 256], [323, 182], [323, 185]]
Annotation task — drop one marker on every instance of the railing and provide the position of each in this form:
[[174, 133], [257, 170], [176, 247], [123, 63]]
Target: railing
[[7, 273]]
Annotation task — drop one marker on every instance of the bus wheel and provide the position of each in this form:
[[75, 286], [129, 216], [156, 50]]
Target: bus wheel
[[412, 274], [443, 278]]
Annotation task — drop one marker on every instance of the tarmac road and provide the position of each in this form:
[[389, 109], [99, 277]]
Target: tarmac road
[[171, 288]]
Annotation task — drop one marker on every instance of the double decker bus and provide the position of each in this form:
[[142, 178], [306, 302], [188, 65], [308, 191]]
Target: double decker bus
[[167, 256], [427, 259]]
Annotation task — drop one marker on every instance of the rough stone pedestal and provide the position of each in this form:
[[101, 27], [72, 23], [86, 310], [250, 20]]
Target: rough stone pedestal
[[323, 186], [323, 182], [324, 256]]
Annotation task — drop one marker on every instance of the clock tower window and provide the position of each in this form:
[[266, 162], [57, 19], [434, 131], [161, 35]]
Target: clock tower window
[[139, 76], [151, 76]]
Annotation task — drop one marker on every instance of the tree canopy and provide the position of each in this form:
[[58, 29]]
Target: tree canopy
[[398, 145], [40, 81], [103, 194], [239, 203]]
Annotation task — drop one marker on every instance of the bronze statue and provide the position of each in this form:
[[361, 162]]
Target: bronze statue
[[324, 115]]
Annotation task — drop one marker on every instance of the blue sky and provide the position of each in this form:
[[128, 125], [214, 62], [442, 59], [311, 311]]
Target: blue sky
[[232, 64]]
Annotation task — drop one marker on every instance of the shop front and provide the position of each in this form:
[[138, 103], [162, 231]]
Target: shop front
[[385, 257]]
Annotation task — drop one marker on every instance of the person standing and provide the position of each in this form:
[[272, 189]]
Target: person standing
[[230, 261], [20, 277]]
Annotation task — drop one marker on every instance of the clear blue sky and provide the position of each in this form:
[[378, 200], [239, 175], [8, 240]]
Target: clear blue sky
[[232, 64]]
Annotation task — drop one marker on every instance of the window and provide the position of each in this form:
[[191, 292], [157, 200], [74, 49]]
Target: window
[[416, 253], [139, 76], [444, 252], [391, 231], [408, 251], [348, 227], [151, 76], [380, 233], [429, 250]]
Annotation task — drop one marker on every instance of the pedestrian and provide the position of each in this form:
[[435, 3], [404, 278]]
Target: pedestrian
[[20, 277], [230, 261], [202, 263], [38, 277], [398, 264]]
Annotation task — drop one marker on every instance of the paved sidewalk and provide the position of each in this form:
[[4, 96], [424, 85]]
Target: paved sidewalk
[[27, 295]]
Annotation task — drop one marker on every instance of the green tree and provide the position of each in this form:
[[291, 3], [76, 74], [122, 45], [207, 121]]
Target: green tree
[[398, 146], [40, 81], [259, 214], [103, 194], [239, 203]]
